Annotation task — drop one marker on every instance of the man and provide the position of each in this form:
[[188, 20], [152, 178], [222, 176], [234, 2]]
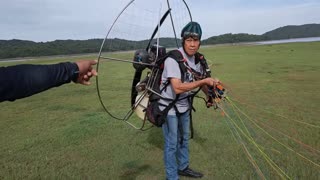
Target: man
[[25, 80], [176, 127]]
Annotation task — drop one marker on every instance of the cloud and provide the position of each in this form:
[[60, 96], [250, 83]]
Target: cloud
[[47, 20], [257, 20], [43, 20]]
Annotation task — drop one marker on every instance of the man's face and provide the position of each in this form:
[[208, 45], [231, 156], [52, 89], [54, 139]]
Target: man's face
[[191, 45]]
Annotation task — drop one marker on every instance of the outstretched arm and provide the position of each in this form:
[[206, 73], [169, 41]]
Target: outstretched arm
[[25, 80]]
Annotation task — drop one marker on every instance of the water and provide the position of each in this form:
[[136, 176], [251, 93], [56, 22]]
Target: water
[[310, 39]]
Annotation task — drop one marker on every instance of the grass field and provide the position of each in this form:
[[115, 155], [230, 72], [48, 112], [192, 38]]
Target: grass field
[[64, 133]]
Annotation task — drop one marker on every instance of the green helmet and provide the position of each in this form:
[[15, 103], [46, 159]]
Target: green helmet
[[192, 29]]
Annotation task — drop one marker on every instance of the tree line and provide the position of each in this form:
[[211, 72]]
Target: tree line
[[21, 48]]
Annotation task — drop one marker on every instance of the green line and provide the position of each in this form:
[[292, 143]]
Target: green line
[[312, 125], [272, 164], [249, 156], [240, 119], [275, 138]]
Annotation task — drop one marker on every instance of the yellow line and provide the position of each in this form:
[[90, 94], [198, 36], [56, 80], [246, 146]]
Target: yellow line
[[275, 138], [249, 156], [271, 163], [312, 125]]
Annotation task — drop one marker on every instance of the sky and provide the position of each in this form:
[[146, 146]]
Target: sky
[[49, 20]]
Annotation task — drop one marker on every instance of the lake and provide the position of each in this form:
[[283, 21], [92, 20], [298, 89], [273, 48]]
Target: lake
[[309, 39]]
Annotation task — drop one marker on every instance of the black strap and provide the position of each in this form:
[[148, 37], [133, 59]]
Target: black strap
[[191, 125], [177, 55], [170, 105]]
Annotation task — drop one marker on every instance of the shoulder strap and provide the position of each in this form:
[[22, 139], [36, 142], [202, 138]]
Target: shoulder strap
[[177, 55], [203, 62]]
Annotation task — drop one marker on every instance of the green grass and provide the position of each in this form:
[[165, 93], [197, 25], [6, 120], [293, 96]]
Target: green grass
[[64, 133]]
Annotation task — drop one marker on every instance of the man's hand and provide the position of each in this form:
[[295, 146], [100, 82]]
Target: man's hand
[[86, 71], [212, 82], [211, 85]]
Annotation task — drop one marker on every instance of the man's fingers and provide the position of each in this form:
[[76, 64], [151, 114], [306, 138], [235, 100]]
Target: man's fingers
[[94, 72], [93, 62], [86, 71], [85, 77], [86, 82]]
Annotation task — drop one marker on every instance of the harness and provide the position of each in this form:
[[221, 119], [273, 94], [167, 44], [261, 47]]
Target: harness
[[184, 69]]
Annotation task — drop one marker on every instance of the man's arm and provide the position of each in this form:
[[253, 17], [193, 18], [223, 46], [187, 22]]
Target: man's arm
[[25, 80], [180, 87]]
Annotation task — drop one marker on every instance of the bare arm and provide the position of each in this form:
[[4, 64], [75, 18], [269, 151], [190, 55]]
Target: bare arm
[[180, 87]]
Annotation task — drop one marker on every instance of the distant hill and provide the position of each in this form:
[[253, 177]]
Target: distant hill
[[234, 38], [20, 48], [289, 32]]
